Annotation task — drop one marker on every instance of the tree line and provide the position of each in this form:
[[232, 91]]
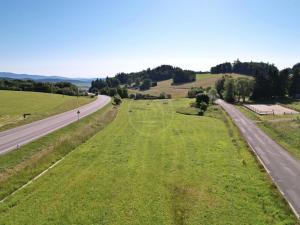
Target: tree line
[[108, 86], [164, 72], [65, 88], [269, 82], [142, 80], [234, 89]]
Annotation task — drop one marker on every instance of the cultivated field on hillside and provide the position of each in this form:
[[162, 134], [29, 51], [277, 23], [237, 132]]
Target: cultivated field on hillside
[[180, 91], [40, 105], [285, 129], [154, 166]]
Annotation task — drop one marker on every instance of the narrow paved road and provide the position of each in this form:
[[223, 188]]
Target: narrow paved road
[[11, 139], [283, 168]]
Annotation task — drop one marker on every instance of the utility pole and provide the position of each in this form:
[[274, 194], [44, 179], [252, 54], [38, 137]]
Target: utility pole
[[77, 97], [78, 112]]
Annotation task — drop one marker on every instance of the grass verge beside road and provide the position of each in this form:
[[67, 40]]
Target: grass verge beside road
[[284, 129], [40, 105], [19, 166], [154, 166]]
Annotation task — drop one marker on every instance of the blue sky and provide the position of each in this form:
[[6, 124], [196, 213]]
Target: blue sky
[[89, 38]]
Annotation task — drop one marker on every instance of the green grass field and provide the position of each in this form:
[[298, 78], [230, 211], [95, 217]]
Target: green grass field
[[154, 166], [294, 105], [285, 129], [180, 91], [41, 105]]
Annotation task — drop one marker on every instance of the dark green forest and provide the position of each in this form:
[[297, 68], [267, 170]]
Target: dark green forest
[[108, 86], [64, 88], [269, 82], [163, 72]]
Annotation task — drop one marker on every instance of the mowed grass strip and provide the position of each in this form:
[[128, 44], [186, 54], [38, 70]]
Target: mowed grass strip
[[19, 166], [154, 166], [40, 105]]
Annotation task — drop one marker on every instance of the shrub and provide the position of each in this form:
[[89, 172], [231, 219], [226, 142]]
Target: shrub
[[202, 97], [132, 96], [162, 95], [117, 100], [146, 84], [203, 106], [194, 91]]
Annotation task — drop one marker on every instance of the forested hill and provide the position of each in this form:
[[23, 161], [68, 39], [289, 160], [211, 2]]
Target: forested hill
[[142, 80], [163, 72], [81, 82]]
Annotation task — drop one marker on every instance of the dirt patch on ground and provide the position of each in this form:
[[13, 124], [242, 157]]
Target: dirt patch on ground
[[273, 109]]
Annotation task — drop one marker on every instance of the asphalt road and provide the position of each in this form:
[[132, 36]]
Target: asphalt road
[[14, 138], [283, 168]]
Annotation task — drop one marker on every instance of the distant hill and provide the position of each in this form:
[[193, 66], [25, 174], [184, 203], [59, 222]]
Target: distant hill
[[80, 82]]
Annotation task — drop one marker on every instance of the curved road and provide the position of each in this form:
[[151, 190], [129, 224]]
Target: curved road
[[13, 138], [283, 168]]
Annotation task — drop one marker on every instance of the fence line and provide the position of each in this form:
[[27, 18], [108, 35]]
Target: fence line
[[260, 112]]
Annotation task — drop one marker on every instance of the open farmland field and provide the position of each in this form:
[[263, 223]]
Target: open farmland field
[[180, 91], [40, 105], [154, 166]]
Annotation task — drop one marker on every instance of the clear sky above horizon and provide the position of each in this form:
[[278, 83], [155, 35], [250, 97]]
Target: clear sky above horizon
[[92, 38]]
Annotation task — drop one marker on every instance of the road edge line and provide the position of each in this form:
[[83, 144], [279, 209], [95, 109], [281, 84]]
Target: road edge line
[[35, 178]]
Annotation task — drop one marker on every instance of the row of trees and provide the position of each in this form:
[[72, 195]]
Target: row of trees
[[108, 86], [246, 68], [64, 88], [232, 90], [269, 82], [99, 84], [139, 96], [183, 76]]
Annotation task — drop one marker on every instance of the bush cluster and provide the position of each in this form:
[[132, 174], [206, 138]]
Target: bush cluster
[[139, 96]]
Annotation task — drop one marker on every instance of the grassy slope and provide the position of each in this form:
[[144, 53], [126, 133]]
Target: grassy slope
[[180, 91], [154, 166], [285, 129], [18, 167], [294, 105], [41, 105]]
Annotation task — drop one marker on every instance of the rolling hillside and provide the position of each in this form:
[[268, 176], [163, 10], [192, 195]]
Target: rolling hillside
[[180, 91], [80, 82]]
